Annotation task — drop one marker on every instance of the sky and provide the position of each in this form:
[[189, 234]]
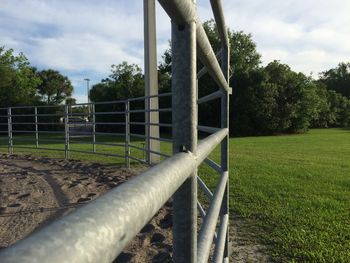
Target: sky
[[82, 39]]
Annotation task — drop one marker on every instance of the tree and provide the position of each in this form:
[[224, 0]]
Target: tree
[[337, 79], [276, 100], [126, 81], [271, 99], [339, 108], [55, 87], [18, 81], [71, 101], [243, 54], [244, 60]]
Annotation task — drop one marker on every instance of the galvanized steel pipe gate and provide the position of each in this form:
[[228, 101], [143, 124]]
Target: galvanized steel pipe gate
[[98, 231]]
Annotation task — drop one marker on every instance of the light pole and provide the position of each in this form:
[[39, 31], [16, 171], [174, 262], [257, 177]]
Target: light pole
[[88, 93]]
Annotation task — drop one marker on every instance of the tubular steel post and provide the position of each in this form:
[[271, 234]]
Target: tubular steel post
[[206, 234], [127, 133], [147, 152], [151, 82], [66, 132], [93, 128], [9, 124], [219, 247], [183, 10], [184, 116], [225, 154], [36, 127]]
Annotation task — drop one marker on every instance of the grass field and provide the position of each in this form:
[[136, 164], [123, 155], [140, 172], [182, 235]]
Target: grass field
[[53, 146], [295, 191]]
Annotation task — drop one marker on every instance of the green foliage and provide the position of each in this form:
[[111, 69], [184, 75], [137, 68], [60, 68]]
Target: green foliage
[[274, 99], [337, 79], [54, 87], [243, 54], [71, 101], [244, 59], [18, 81], [339, 107], [21, 84], [126, 81]]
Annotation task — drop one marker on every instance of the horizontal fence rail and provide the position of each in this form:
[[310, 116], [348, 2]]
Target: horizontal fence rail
[[98, 231], [34, 127], [101, 229]]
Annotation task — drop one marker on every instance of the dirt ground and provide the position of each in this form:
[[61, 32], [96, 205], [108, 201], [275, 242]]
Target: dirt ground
[[35, 191]]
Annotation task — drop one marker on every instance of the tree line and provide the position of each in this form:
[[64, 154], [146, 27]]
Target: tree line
[[269, 99], [22, 84], [266, 99]]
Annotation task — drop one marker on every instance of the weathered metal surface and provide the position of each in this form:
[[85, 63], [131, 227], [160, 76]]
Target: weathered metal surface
[[184, 117], [151, 81], [206, 234], [66, 133], [9, 126], [205, 188], [127, 134], [225, 149], [36, 127], [209, 97], [98, 231], [221, 239], [208, 129], [184, 11], [216, 6], [93, 128]]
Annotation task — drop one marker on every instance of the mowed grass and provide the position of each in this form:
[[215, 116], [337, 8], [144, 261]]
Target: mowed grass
[[80, 147], [294, 190]]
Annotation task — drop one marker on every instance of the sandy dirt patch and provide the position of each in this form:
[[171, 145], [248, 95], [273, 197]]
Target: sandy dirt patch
[[244, 245], [35, 191]]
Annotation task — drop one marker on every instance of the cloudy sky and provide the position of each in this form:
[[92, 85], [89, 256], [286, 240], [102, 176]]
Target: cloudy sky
[[83, 38]]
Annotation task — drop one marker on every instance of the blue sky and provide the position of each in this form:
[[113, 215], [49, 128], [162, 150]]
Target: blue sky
[[84, 38]]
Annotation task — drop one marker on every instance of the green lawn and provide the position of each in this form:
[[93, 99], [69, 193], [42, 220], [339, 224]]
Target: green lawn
[[78, 144], [294, 189]]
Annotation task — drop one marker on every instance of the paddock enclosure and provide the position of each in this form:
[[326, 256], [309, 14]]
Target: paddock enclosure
[[132, 131]]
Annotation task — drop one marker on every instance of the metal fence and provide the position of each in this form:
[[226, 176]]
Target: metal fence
[[115, 124], [98, 231]]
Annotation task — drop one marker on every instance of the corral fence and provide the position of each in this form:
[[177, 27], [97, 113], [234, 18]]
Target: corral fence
[[100, 230], [111, 128]]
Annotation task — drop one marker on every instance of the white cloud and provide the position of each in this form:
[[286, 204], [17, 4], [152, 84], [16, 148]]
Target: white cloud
[[84, 38]]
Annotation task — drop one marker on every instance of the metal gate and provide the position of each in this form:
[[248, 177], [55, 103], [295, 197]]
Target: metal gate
[[98, 231]]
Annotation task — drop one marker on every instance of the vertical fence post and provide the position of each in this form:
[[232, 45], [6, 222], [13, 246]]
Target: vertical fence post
[[9, 126], [148, 147], [151, 82], [36, 127], [184, 117], [93, 127], [225, 156], [66, 132], [127, 133]]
